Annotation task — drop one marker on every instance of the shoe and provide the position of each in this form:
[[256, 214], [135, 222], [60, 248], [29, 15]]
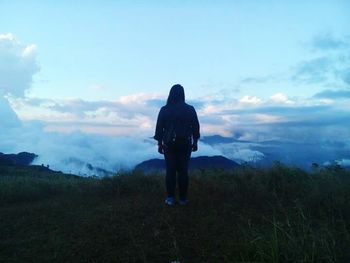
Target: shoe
[[170, 201], [183, 201]]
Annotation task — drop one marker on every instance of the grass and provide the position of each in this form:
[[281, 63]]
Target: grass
[[281, 214]]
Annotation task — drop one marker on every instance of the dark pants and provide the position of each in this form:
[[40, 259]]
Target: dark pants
[[177, 156]]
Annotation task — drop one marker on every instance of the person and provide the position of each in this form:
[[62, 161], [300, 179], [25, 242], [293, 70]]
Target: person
[[177, 133]]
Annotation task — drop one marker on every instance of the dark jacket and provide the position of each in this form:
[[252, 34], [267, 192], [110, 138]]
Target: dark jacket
[[181, 117]]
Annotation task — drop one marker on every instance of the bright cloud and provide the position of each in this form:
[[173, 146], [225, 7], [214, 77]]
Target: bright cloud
[[250, 99], [136, 114], [281, 98], [7, 36], [29, 50], [128, 116]]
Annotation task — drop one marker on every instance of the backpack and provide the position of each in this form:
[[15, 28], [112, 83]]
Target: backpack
[[169, 135]]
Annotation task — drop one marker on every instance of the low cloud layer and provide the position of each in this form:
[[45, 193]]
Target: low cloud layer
[[114, 135], [73, 152], [69, 135]]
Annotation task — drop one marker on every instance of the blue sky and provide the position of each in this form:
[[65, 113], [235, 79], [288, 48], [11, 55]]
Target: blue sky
[[127, 47], [255, 70]]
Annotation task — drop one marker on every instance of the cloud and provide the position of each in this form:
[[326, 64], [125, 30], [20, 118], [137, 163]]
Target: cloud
[[29, 50], [267, 118], [328, 41], [333, 94], [58, 149], [53, 128], [239, 151], [18, 65], [275, 118], [97, 88], [343, 162], [345, 76], [305, 120], [328, 64], [300, 134], [127, 115], [115, 134], [8, 117], [246, 155], [258, 79], [314, 70], [250, 99], [286, 110], [7, 37], [69, 135], [281, 98], [100, 132]]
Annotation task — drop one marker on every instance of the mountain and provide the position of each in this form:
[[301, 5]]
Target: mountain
[[26, 159], [264, 153], [301, 154], [196, 163], [216, 139], [22, 158]]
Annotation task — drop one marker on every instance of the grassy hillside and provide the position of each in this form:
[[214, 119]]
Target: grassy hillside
[[277, 215]]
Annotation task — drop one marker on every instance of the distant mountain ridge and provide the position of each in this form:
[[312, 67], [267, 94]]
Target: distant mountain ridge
[[196, 163], [26, 159], [216, 139], [22, 158]]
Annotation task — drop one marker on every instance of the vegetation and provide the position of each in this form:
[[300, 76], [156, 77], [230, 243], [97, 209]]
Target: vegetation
[[281, 214]]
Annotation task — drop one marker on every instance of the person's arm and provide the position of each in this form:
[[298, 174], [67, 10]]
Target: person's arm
[[159, 131], [195, 131]]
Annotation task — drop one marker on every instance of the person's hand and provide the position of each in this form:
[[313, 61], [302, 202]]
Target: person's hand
[[194, 147], [160, 149]]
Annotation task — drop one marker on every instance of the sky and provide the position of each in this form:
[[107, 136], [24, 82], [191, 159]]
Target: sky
[[254, 70]]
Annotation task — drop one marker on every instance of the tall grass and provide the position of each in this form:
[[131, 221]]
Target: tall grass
[[18, 184], [281, 214]]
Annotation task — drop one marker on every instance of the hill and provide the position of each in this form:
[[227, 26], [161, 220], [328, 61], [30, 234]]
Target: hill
[[291, 152], [196, 163], [22, 158], [281, 214], [217, 139]]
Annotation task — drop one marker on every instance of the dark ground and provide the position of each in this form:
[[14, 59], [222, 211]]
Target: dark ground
[[277, 215]]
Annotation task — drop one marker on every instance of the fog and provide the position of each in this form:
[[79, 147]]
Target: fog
[[72, 152]]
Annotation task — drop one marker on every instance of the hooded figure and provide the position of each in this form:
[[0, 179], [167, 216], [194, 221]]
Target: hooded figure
[[177, 133]]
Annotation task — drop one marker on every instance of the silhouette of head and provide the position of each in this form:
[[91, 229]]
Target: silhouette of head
[[176, 95]]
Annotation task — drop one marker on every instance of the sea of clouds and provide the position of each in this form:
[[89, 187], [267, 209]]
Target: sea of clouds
[[67, 135], [117, 134]]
